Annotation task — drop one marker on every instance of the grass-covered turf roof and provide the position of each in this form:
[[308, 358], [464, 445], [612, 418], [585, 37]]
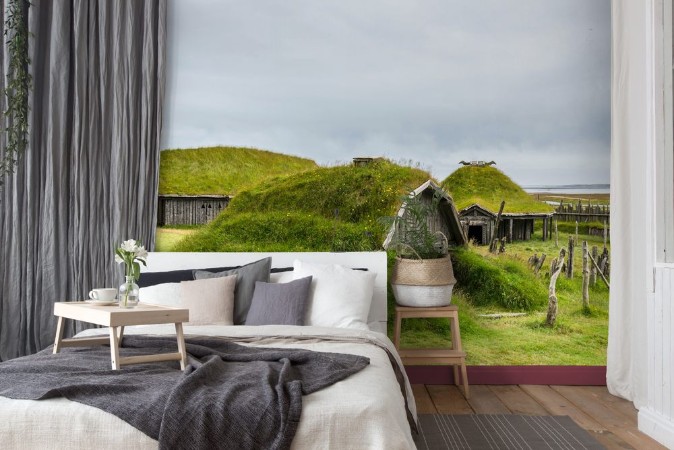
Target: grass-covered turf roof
[[487, 187], [223, 170], [328, 208]]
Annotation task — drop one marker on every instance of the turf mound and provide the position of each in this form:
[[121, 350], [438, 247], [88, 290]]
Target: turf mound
[[223, 170], [488, 186], [326, 209]]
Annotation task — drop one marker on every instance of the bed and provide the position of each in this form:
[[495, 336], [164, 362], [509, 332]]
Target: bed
[[371, 409]]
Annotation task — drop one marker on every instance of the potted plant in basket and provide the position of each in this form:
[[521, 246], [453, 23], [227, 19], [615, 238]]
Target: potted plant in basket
[[423, 274]]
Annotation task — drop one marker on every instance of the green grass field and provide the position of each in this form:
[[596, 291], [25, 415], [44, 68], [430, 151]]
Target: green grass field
[[577, 339], [167, 237], [309, 208]]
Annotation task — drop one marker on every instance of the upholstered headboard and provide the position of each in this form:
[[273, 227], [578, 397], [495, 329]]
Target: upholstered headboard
[[372, 261]]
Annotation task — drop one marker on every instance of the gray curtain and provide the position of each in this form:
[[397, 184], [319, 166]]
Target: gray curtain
[[89, 177]]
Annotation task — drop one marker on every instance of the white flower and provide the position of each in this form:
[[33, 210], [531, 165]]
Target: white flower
[[141, 252], [130, 253], [129, 246]]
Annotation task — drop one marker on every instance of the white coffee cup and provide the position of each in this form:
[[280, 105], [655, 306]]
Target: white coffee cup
[[103, 294]]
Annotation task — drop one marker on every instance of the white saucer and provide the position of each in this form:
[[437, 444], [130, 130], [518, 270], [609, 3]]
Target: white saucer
[[101, 302]]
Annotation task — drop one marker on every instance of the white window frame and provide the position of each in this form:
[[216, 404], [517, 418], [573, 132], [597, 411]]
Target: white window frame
[[664, 124]]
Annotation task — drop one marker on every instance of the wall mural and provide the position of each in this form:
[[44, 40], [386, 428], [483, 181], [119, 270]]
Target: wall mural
[[301, 126]]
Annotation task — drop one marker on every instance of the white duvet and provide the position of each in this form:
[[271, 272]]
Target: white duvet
[[364, 411]]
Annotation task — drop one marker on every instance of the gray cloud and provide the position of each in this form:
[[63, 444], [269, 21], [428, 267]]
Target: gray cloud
[[525, 82]]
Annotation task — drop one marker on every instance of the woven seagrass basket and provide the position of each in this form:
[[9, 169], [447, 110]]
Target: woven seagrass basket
[[423, 282]]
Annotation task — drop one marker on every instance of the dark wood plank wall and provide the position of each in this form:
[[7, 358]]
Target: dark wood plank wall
[[442, 220], [476, 218], [189, 210], [486, 224], [437, 221], [514, 229]]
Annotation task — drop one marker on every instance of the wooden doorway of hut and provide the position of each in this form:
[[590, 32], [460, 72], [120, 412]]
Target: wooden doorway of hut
[[476, 233]]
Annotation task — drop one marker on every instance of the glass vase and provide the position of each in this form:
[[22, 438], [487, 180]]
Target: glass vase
[[128, 293]]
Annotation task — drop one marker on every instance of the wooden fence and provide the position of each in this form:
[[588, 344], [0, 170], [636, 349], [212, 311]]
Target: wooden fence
[[580, 212]]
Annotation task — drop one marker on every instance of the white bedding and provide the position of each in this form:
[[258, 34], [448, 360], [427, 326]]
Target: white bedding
[[364, 411]]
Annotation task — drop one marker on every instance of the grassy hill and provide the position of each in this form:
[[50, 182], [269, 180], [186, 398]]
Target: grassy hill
[[223, 170], [337, 209], [488, 186], [326, 209]]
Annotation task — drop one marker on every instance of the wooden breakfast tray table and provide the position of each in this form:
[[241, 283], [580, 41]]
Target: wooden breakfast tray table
[[117, 318]]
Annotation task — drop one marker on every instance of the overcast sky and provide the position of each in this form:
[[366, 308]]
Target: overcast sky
[[523, 82]]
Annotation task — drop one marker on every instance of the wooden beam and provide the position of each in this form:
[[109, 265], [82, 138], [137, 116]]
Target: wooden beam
[[601, 273], [492, 244]]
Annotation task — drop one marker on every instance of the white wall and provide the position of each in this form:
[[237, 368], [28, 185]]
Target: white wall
[[656, 417], [640, 318]]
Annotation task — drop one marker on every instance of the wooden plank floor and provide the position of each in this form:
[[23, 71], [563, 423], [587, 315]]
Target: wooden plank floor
[[611, 420]]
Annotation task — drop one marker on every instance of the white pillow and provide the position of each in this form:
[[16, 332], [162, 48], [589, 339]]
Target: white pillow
[[281, 277], [165, 294], [339, 296], [210, 301]]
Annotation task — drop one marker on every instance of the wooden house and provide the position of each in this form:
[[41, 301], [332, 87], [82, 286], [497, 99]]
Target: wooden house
[[189, 209], [479, 189], [362, 161], [446, 220], [478, 224]]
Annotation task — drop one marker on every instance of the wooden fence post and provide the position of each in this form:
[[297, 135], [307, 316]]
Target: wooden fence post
[[540, 264], [605, 263], [548, 235], [555, 270], [569, 264], [602, 260], [576, 240], [593, 269], [601, 272], [493, 245], [605, 234], [556, 235], [586, 279]]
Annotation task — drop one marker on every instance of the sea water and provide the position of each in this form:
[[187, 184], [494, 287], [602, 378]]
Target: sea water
[[570, 189]]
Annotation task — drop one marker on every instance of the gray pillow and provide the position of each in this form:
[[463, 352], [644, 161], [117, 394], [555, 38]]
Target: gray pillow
[[279, 303], [246, 276]]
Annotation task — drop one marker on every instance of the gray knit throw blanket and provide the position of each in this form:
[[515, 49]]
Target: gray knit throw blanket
[[229, 395]]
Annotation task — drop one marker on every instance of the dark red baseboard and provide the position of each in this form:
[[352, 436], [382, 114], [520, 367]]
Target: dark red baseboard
[[561, 375]]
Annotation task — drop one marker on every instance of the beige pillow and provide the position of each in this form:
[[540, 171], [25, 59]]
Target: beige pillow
[[210, 301]]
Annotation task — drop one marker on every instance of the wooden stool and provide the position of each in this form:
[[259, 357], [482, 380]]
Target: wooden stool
[[453, 356]]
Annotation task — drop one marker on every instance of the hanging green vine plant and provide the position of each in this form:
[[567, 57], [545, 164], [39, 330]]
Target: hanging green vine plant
[[19, 83]]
